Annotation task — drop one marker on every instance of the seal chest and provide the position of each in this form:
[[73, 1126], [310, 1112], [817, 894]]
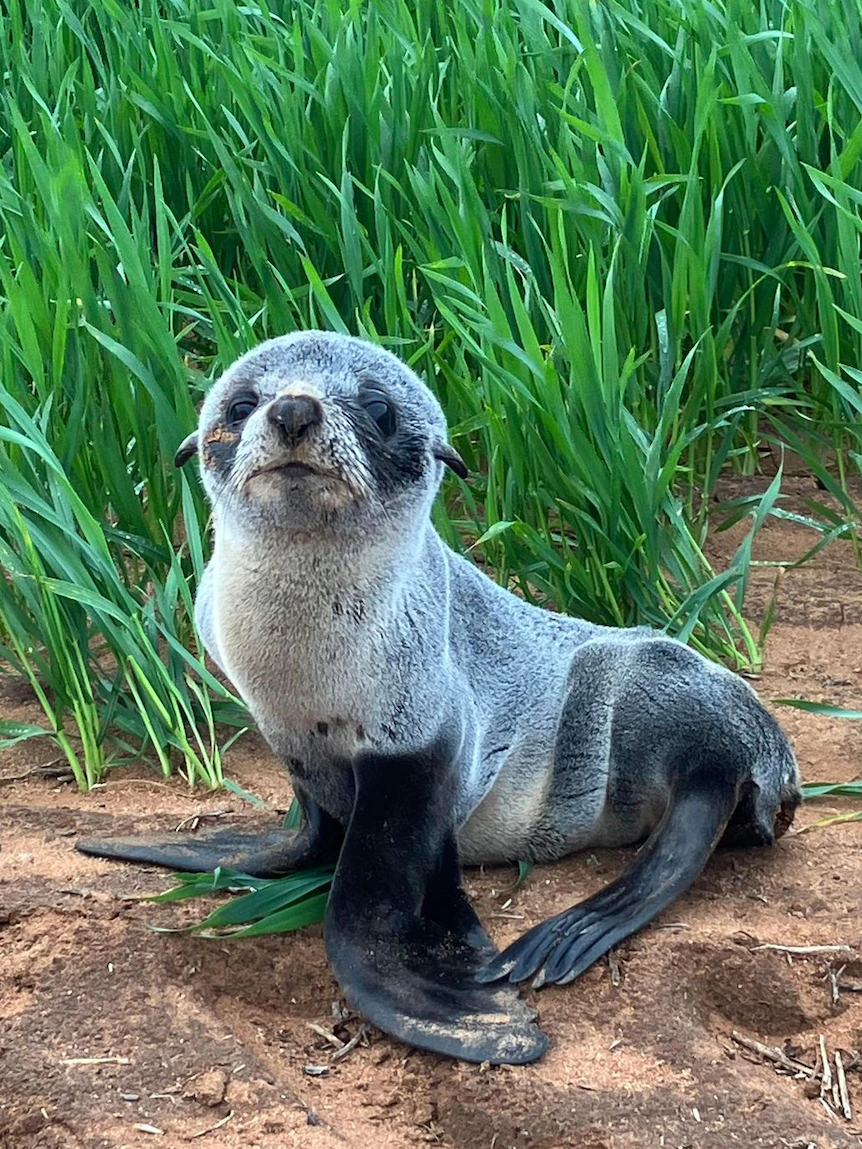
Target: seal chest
[[299, 649]]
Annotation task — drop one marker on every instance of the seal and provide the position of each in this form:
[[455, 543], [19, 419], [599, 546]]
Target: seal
[[430, 718]]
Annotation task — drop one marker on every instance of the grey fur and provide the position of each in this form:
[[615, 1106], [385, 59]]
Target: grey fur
[[344, 621]]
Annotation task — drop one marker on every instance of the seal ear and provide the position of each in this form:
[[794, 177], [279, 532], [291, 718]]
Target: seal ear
[[186, 449], [450, 457]]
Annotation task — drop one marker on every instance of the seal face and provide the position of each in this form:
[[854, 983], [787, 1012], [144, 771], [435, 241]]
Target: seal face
[[314, 428], [428, 716]]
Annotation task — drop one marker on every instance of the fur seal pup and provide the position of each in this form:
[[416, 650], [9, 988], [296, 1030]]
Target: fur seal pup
[[429, 717]]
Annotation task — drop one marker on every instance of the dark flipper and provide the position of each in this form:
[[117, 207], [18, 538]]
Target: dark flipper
[[403, 940], [563, 947], [266, 854]]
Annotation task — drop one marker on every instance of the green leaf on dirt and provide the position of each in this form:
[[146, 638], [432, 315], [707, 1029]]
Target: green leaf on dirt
[[261, 904], [205, 884], [246, 795], [14, 732], [833, 820], [271, 905], [305, 913], [824, 708], [293, 817], [838, 789]]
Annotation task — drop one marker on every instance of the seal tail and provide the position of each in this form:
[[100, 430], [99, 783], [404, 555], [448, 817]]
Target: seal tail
[[563, 947]]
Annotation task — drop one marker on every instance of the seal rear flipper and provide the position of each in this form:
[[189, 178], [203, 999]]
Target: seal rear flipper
[[403, 941], [563, 947], [264, 854]]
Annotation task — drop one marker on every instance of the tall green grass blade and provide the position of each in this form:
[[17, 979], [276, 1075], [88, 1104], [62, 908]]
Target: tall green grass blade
[[620, 242]]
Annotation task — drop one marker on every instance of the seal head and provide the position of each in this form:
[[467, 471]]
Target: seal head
[[318, 429]]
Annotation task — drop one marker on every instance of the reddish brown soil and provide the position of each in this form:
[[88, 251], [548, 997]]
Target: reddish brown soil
[[113, 1035]]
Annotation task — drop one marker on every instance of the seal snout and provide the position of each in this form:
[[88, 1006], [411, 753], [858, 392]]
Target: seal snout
[[294, 415]]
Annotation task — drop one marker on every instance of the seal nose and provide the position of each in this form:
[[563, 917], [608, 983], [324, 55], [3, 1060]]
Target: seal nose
[[294, 415]]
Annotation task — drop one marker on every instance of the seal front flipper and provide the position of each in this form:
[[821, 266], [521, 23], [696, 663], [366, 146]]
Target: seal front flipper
[[563, 947], [403, 940], [266, 854]]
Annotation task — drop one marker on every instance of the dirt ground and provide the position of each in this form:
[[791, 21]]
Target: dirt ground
[[114, 1035]]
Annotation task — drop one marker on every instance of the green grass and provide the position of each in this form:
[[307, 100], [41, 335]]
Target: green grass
[[264, 905], [258, 906], [619, 239]]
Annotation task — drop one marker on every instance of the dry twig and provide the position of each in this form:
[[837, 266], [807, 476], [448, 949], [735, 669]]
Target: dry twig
[[192, 821], [836, 949], [833, 976], [210, 1129], [614, 966], [352, 1044], [843, 1092], [826, 1077], [97, 1061], [776, 1056], [52, 769], [326, 1034]]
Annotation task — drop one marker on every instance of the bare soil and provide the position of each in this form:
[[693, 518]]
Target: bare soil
[[114, 1035]]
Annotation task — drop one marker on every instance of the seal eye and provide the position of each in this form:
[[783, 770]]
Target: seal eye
[[380, 411], [240, 407]]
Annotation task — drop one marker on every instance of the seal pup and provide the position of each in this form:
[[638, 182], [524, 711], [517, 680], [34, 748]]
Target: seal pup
[[428, 716]]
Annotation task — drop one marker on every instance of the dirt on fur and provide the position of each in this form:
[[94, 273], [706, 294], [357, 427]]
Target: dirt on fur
[[114, 1035]]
